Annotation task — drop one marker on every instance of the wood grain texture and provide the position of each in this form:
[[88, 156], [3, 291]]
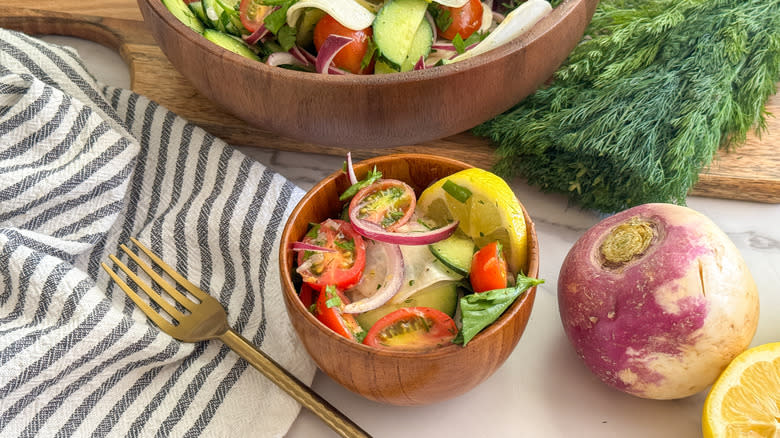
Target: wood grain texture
[[372, 111], [750, 172], [388, 376]]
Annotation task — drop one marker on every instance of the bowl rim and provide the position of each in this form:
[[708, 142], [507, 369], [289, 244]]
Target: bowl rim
[[452, 348], [554, 18]]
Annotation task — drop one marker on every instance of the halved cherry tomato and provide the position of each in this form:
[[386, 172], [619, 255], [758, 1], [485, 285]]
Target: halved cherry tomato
[[252, 13], [308, 295], [488, 268], [328, 311], [341, 268], [412, 328], [350, 57], [464, 20], [387, 202]]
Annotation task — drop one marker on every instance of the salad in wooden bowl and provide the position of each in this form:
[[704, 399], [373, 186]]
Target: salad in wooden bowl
[[306, 69], [409, 278]]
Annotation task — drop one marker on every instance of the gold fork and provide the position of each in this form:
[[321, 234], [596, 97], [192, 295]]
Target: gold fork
[[208, 320]]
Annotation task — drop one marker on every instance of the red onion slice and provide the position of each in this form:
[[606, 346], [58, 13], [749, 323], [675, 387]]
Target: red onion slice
[[255, 36], [301, 246], [375, 232], [306, 54], [351, 170], [313, 60], [394, 277], [332, 45], [258, 34], [420, 65], [441, 45], [297, 52]]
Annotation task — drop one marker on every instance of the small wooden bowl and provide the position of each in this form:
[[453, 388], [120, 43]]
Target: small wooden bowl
[[398, 377], [372, 111]]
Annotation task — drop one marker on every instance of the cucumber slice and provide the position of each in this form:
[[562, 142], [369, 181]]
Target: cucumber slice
[[230, 42], [395, 27], [455, 252], [197, 9], [223, 16], [304, 35], [383, 66], [421, 46], [180, 10], [442, 296]]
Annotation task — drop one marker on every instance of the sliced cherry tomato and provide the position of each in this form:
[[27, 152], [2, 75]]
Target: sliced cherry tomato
[[464, 20], [343, 267], [252, 13], [328, 311], [412, 328], [387, 202], [350, 57], [488, 268], [308, 295]]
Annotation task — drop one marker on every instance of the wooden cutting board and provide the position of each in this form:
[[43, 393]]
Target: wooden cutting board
[[751, 172]]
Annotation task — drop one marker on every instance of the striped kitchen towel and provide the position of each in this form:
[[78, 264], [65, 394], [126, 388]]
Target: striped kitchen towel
[[83, 167]]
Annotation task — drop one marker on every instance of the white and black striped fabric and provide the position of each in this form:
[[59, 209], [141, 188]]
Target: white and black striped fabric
[[83, 167]]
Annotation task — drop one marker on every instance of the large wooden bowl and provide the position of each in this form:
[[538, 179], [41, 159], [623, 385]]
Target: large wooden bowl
[[395, 377], [376, 110]]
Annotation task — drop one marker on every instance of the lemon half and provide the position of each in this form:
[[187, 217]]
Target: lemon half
[[745, 400], [490, 212]]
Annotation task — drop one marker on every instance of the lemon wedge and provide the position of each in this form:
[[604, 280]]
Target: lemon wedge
[[486, 207], [745, 400]]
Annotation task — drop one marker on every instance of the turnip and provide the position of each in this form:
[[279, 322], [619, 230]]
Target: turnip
[[656, 300]]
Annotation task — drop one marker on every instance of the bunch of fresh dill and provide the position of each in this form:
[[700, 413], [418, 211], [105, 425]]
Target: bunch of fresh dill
[[644, 102]]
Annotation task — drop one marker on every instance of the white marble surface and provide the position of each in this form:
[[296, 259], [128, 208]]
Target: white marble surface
[[543, 390]]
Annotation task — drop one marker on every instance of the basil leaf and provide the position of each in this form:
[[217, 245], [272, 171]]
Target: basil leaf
[[479, 310]]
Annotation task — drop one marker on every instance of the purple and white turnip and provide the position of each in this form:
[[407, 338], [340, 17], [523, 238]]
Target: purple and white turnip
[[656, 300]]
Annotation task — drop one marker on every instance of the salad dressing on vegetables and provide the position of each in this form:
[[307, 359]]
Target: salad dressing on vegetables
[[403, 279], [357, 36]]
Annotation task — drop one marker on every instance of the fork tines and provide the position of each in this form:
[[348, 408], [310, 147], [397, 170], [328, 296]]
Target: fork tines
[[176, 313]]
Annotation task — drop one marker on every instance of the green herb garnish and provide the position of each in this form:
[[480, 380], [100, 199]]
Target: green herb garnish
[[332, 295], [370, 178], [458, 192], [348, 246], [360, 336], [441, 17], [460, 45], [314, 231]]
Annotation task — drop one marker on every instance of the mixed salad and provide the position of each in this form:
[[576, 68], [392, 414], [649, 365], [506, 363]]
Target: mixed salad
[[392, 275], [359, 36]]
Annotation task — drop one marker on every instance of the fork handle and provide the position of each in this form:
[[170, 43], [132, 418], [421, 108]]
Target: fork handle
[[292, 386]]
